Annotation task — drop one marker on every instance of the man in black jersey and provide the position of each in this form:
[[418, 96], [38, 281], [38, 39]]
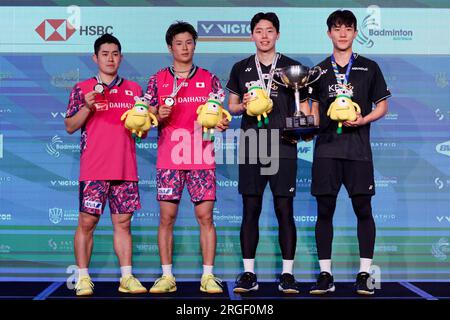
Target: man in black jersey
[[345, 157], [265, 29]]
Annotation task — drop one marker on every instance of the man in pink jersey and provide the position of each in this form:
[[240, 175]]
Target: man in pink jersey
[[108, 169], [183, 157]]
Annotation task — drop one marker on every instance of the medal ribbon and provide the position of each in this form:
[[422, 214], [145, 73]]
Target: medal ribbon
[[267, 88], [342, 83]]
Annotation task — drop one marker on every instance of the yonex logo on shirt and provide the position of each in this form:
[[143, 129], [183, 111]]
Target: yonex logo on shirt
[[248, 69]]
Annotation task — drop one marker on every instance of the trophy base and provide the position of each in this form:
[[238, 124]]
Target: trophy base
[[297, 127], [299, 121]]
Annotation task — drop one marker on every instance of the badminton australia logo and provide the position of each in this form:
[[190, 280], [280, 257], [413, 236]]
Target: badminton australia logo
[[440, 249], [52, 147], [56, 145], [371, 29], [223, 31]]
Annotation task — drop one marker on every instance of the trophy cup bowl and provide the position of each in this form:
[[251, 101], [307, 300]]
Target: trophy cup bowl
[[297, 77]]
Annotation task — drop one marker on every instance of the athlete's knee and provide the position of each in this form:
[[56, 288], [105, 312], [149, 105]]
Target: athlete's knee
[[122, 222], [363, 207], [252, 206], [166, 219], [284, 208], [87, 223], [205, 219], [325, 207]]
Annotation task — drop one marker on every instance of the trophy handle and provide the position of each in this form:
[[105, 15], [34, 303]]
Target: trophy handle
[[276, 72], [312, 71]]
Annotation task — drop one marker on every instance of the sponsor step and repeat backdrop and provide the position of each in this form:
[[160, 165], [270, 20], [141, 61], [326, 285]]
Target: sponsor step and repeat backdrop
[[44, 51]]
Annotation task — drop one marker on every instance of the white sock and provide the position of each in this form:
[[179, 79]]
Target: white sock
[[325, 265], [83, 272], [167, 269], [249, 265], [125, 271], [288, 266], [365, 264], [207, 269]]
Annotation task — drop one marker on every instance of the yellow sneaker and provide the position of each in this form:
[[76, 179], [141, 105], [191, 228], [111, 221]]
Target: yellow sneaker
[[129, 284], [84, 286], [164, 284], [211, 284]]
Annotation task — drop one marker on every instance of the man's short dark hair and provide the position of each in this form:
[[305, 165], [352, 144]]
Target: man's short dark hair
[[106, 38], [269, 16], [341, 17], [180, 27]]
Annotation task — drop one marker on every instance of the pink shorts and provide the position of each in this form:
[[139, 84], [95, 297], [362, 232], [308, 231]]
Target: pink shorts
[[123, 196], [201, 184]]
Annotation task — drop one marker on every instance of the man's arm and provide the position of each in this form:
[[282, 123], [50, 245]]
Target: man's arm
[[315, 112], [380, 110], [76, 121], [235, 105]]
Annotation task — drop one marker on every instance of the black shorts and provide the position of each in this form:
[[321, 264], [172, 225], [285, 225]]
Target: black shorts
[[329, 174], [283, 183]]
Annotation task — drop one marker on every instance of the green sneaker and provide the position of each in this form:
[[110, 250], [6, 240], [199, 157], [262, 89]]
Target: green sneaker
[[84, 286], [129, 284], [210, 284], [164, 284]]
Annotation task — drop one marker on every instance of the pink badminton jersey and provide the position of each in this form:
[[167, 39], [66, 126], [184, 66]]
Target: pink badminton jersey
[[180, 143], [108, 151]]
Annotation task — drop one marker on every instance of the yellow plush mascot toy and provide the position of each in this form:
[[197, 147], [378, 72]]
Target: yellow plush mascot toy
[[138, 119], [260, 104], [210, 113], [343, 108]]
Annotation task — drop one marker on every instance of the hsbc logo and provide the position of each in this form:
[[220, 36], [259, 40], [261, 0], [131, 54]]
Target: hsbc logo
[[55, 30], [62, 30]]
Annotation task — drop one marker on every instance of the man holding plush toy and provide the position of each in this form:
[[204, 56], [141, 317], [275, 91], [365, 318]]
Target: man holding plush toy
[[342, 99], [183, 157], [108, 169]]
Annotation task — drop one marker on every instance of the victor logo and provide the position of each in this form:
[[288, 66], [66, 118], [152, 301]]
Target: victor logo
[[224, 30]]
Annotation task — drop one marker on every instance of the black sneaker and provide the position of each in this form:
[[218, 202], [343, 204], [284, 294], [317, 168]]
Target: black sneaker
[[324, 284], [364, 284], [287, 283], [246, 282]]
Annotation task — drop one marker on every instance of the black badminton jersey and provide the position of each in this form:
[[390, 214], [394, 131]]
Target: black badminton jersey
[[244, 72], [369, 87]]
